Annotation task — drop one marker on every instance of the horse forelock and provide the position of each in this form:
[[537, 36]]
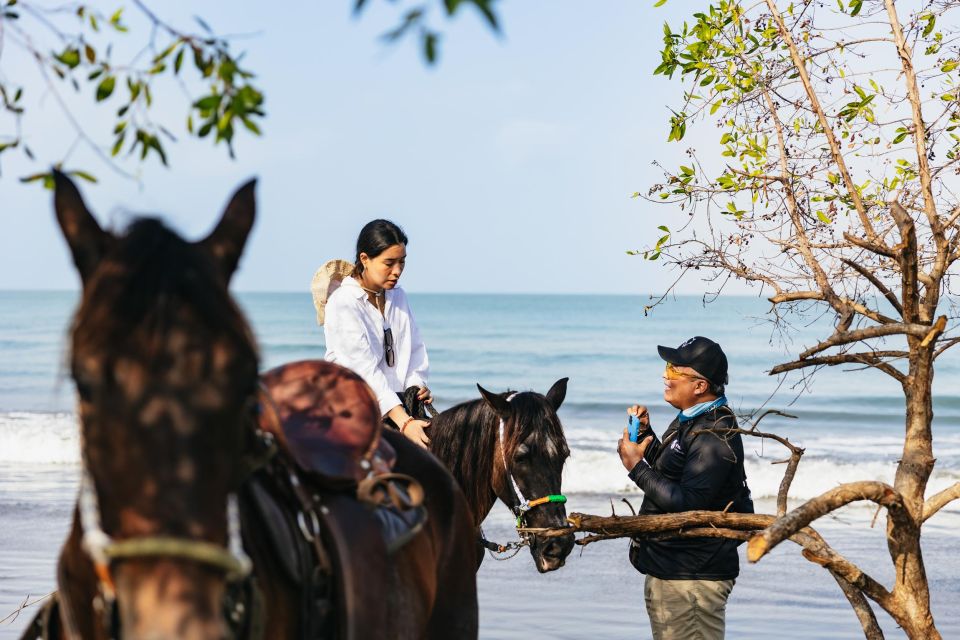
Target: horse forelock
[[534, 423]]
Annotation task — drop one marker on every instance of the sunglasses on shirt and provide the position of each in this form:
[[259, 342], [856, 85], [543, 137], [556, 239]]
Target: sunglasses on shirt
[[388, 354], [672, 373]]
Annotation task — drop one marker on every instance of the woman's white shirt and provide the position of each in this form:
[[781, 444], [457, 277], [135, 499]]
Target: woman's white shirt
[[354, 328]]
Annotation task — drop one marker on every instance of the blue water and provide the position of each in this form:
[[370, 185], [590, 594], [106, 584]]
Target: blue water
[[849, 421]]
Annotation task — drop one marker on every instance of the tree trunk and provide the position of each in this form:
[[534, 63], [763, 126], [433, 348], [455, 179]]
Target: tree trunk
[[911, 591]]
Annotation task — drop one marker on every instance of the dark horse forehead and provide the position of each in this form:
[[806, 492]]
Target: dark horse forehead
[[156, 321], [534, 423]]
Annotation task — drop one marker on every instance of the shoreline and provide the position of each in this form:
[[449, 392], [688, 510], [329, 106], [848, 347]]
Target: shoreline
[[597, 593]]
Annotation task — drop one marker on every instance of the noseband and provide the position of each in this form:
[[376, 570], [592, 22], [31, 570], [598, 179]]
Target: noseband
[[104, 550]]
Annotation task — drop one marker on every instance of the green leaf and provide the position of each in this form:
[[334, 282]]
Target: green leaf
[[660, 3], [823, 217], [250, 125], [105, 88], [430, 47], [949, 66], [118, 144], [178, 61], [70, 57], [208, 103], [36, 177], [83, 175]]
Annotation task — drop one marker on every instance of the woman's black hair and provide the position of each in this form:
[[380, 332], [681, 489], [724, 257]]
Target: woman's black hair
[[376, 237]]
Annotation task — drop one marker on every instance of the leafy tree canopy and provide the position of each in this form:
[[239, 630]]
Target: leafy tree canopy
[[81, 53]]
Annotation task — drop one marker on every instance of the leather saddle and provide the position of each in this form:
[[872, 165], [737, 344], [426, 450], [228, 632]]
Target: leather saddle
[[322, 425]]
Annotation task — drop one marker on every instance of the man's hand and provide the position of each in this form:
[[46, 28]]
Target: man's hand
[[641, 412], [631, 452]]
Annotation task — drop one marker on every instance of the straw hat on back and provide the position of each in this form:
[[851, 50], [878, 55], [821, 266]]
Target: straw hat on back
[[325, 281]]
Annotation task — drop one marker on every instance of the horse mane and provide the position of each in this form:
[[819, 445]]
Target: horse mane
[[473, 456], [470, 452], [156, 274]]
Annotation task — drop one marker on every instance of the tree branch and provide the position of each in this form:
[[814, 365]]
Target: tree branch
[[785, 526], [907, 257], [940, 500], [871, 359], [801, 67], [875, 281], [878, 249], [846, 337], [816, 295], [919, 128]]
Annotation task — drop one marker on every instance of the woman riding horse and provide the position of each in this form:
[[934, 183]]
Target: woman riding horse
[[166, 373]]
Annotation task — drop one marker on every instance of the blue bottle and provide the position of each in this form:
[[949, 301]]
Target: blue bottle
[[633, 428]]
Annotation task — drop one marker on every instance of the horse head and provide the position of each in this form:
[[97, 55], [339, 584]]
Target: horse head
[[166, 370], [528, 464]]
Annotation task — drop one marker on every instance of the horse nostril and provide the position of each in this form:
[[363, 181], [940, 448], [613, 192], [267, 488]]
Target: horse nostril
[[555, 549]]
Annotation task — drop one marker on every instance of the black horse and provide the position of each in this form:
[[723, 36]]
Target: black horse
[[508, 446]]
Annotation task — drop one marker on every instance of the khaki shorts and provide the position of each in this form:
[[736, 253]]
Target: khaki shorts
[[687, 609]]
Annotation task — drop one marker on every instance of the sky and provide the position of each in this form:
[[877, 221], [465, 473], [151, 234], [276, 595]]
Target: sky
[[510, 164]]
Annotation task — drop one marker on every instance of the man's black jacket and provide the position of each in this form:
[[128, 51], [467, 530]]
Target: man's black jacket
[[696, 467]]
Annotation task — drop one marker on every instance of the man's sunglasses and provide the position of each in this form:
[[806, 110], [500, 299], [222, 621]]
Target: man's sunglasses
[[388, 347], [672, 373]]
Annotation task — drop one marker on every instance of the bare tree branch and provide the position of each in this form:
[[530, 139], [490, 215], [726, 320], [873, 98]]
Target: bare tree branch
[[940, 500], [879, 492], [816, 295], [882, 288], [838, 158]]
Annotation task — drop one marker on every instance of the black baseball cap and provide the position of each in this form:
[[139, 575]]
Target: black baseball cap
[[703, 355]]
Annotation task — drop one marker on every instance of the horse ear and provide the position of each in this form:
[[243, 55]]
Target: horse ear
[[557, 393], [225, 243], [87, 241], [497, 403]]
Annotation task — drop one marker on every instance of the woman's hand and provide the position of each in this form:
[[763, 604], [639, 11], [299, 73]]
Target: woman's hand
[[424, 395], [415, 430]]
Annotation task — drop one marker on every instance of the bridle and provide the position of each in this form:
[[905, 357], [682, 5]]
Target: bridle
[[103, 550], [523, 505]]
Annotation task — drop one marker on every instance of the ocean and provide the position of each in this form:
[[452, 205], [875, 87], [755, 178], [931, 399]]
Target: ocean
[[848, 421]]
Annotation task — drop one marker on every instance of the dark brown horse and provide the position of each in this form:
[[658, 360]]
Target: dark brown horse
[[508, 446], [166, 371]]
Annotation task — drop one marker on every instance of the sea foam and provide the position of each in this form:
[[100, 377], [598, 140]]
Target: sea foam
[[39, 438]]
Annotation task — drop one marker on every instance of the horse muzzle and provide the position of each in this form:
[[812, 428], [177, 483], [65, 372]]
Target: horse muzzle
[[167, 599]]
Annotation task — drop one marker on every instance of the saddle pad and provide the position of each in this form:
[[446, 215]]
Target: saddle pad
[[327, 418]]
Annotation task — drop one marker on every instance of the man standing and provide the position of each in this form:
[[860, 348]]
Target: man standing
[[697, 466]]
